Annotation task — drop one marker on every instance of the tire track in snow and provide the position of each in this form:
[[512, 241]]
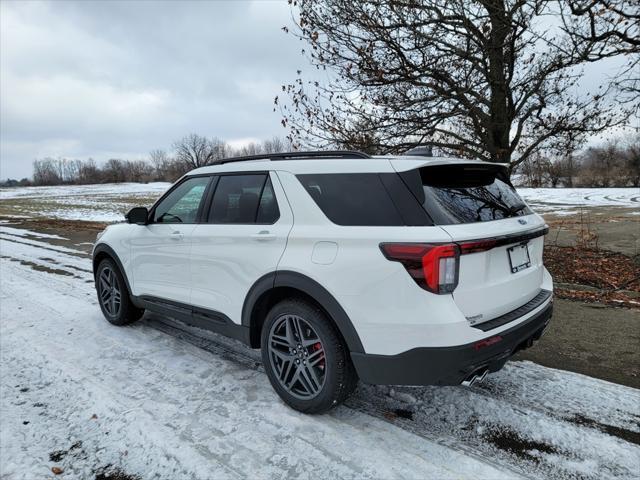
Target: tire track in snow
[[251, 359], [375, 401], [218, 414], [429, 408]]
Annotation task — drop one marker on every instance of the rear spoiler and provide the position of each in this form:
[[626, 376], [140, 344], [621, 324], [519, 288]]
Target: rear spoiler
[[403, 164]]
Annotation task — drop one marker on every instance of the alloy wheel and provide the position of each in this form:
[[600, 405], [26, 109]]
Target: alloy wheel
[[109, 290], [297, 356]]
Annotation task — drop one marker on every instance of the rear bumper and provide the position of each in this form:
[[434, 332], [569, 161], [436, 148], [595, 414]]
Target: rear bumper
[[450, 365]]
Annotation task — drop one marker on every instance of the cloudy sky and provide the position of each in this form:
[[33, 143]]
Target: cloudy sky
[[107, 79], [117, 79]]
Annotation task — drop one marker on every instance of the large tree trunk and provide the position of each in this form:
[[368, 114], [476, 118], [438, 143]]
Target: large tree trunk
[[497, 50]]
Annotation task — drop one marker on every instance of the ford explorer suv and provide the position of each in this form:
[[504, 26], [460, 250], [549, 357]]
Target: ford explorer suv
[[339, 266]]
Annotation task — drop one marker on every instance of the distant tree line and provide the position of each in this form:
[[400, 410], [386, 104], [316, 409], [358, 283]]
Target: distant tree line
[[191, 151], [615, 163]]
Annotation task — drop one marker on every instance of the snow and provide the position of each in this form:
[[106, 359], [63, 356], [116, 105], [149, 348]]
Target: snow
[[84, 190], [161, 400], [164, 408], [19, 232], [556, 200], [99, 203], [89, 214]]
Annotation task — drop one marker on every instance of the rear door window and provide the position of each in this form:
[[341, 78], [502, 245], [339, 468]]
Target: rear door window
[[454, 194], [244, 199], [354, 199], [268, 211]]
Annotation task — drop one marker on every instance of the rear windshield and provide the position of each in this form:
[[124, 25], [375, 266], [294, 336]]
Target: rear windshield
[[453, 194]]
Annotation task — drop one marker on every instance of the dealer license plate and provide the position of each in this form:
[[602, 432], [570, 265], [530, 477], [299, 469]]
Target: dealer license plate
[[519, 257]]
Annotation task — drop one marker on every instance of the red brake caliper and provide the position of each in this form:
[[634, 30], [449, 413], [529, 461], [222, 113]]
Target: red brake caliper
[[315, 347]]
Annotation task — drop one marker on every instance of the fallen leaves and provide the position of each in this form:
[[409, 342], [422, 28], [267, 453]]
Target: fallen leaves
[[598, 268], [614, 277], [614, 299]]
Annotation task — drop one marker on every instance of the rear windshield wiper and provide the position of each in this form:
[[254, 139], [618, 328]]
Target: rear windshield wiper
[[514, 210]]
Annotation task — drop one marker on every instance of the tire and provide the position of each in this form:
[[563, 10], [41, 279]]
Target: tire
[[329, 376], [113, 296]]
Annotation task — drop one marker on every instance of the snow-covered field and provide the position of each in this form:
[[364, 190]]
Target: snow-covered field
[[159, 400], [567, 201], [99, 189], [109, 202], [99, 203]]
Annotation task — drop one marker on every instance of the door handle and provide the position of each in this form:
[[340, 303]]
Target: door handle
[[176, 235], [263, 236]]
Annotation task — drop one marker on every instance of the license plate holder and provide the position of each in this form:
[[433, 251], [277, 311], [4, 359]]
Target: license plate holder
[[519, 258]]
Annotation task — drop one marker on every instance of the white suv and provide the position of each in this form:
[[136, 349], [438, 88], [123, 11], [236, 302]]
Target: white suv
[[395, 270]]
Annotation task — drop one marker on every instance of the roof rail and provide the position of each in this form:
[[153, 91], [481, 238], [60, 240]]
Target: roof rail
[[296, 156]]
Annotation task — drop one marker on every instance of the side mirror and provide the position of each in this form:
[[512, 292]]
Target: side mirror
[[138, 215]]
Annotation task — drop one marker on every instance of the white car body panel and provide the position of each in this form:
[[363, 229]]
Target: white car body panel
[[227, 259], [486, 286], [214, 266], [160, 260]]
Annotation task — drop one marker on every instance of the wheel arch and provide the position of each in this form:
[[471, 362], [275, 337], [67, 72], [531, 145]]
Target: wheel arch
[[102, 251], [276, 286]]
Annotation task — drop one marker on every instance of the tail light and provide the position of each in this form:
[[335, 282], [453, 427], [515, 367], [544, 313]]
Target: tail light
[[433, 267], [477, 246]]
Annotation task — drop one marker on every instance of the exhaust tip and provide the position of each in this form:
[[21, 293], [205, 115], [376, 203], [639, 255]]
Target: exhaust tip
[[477, 376]]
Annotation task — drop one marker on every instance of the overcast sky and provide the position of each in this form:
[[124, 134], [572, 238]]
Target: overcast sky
[[107, 79], [117, 79]]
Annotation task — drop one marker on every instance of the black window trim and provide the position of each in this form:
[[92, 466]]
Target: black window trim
[[209, 200], [152, 210]]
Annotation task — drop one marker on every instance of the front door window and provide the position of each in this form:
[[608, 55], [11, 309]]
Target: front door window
[[182, 204]]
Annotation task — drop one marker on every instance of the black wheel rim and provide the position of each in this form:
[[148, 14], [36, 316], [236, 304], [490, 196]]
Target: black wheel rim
[[109, 291], [297, 356]]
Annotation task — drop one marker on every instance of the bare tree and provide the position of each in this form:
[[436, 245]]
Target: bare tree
[[276, 145], [568, 169], [161, 163], [362, 137], [113, 171], [490, 79], [88, 172], [554, 172], [602, 165], [632, 160], [197, 151], [252, 148], [137, 171], [613, 26], [45, 172], [535, 170]]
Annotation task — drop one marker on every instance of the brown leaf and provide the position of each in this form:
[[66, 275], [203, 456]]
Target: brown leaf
[[390, 415], [57, 470]]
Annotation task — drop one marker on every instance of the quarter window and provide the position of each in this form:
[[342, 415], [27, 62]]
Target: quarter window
[[181, 205], [354, 199]]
